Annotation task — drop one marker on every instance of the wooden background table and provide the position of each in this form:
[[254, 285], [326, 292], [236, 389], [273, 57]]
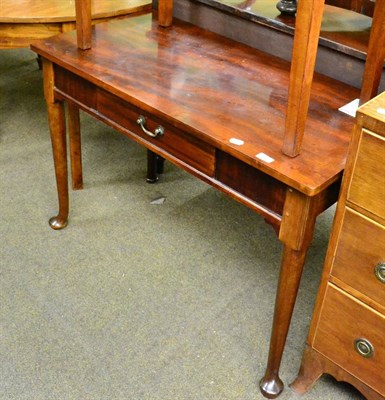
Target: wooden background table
[[22, 21]]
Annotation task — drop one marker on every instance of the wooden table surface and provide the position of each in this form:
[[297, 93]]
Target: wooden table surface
[[245, 99]]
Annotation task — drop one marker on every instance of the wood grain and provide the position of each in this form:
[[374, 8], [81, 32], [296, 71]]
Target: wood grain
[[307, 30], [165, 9], [360, 249], [83, 23], [336, 340], [314, 364], [217, 89], [367, 188]]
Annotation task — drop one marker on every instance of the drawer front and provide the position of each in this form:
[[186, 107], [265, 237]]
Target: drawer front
[[184, 147], [352, 335], [75, 87], [360, 256], [367, 188]]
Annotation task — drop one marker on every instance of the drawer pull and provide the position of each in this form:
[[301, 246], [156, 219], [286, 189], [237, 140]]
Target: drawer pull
[[364, 348], [379, 270], [159, 131]]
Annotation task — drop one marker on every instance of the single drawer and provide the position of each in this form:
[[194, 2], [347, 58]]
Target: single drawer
[[177, 143], [360, 256], [352, 335], [367, 188]]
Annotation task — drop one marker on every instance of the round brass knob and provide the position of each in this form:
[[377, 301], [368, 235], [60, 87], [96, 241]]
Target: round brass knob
[[379, 270], [364, 348]]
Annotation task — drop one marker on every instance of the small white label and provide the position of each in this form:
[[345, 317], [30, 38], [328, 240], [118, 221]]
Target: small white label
[[238, 142], [381, 111], [264, 157], [350, 108]]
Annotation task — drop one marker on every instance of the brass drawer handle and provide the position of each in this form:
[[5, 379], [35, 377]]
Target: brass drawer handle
[[379, 270], [159, 131], [364, 348]]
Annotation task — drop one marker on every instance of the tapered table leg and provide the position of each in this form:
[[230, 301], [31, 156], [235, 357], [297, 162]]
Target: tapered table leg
[[296, 233], [75, 147], [305, 45], [291, 270], [56, 119], [58, 139]]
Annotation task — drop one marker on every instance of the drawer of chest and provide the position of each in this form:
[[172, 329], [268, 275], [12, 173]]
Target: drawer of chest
[[359, 260], [150, 129], [367, 188], [351, 334]]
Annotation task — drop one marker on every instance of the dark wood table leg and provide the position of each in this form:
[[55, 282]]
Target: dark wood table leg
[[152, 173], [160, 165], [296, 233], [75, 147], [155, 166], [57, 127]]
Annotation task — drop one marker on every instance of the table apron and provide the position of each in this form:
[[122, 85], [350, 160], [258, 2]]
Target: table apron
[[239, 180]]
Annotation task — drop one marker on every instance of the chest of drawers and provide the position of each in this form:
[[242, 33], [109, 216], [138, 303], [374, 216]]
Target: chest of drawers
[[347, 333]]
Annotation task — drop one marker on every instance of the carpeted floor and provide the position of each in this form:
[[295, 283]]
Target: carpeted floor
[[133, 300]]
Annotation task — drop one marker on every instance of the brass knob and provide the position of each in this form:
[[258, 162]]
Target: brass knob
[[364, 348], [379, 270]]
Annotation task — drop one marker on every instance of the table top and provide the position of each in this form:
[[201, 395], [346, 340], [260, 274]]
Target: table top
[[215, 89], [45, 11]]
